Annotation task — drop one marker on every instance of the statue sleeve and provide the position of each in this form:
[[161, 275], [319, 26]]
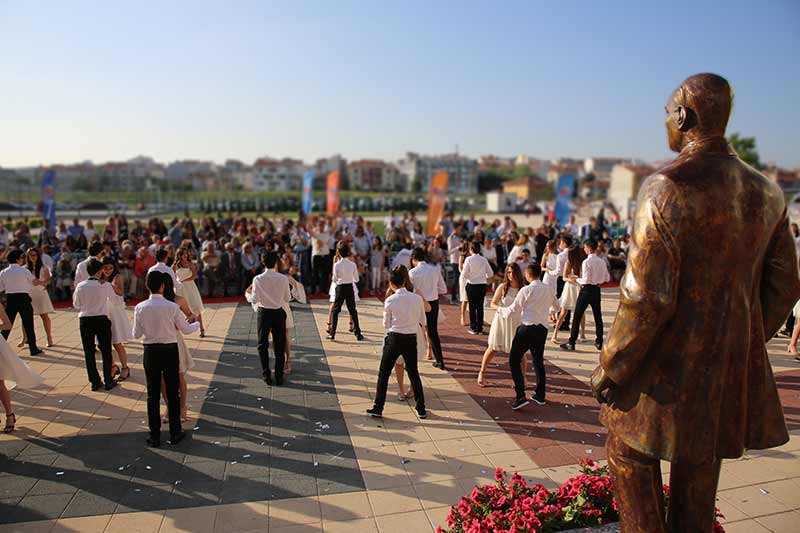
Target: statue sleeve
[[648, 291], [780, 285]]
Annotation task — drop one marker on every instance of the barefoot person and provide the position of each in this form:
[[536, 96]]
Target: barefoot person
[[156, 321], [91, 299], [403, 312], [269, 293], [18, 282], [13, 372], [502, 330], [536, 302]]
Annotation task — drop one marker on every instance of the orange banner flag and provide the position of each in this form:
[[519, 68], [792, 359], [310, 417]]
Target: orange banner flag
[[437, 197], [333, 193]]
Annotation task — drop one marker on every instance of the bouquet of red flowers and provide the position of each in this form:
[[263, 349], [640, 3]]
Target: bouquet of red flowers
[[512, 506]]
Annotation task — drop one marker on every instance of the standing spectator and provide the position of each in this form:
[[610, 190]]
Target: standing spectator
[[250, 265], [211, 267], [76, 230], [231, 268], [319, 254], [144, 261]]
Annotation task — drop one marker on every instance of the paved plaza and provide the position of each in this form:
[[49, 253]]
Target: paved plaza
[[304, 457]]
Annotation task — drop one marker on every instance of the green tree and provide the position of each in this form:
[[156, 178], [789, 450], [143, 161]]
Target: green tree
[[416, 184], [746, 148]]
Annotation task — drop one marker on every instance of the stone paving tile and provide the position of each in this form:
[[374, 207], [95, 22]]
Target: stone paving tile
[[247, 443], [398, 473]]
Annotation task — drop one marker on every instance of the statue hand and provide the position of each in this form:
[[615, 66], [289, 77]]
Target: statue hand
[[602, 386]]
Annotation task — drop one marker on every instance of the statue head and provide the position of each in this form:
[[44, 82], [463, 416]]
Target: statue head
[[698, 109]]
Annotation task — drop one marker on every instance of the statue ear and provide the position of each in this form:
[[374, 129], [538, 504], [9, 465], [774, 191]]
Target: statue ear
[[681, 115]]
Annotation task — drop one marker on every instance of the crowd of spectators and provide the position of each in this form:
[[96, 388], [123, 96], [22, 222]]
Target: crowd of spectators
[[226, 248]]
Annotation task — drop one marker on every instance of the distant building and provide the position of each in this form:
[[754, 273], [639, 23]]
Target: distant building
[[789, 180], [326, 165], [626, 179], [501, 202], [601, 167], [277, 175], [374, 175], [525, 188], [462, 171], [182, 170]]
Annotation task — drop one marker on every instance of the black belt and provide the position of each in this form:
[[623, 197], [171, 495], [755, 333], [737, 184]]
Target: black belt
[[402, 334]]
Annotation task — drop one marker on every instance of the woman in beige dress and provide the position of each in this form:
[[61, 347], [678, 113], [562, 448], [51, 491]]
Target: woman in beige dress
[[40, 300], [186, 271]]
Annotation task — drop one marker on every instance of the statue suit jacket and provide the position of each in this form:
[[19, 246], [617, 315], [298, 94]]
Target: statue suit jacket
[[712, 275]]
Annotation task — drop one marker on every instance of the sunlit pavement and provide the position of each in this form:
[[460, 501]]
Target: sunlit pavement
[[304, 457]]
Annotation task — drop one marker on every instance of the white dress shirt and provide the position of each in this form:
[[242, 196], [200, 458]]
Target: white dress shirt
[[561, 262], [320, 244], [428, 280], [15, 279], [344, 272], [81, 274], [162, 267], [403, 257], [158, 320], [594, 271], [535, 302], [403, 312], [453, 247], [91, 297], [476, 270], [270, 290]]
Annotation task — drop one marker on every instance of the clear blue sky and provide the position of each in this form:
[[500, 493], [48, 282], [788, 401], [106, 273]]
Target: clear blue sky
[[111, 80]]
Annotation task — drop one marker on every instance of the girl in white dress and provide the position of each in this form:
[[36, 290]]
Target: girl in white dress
[[550, 264], [40, 300], [572, 271], [502, 330], [422, 341], [186, 272], [13, 372], [185, 360], [462, 285], [120, 324], [298, 293]]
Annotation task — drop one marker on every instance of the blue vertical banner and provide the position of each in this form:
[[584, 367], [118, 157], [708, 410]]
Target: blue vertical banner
[[49, 197], [308, 188], [564, 192]]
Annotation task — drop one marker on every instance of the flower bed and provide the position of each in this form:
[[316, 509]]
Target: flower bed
[[514, 507]]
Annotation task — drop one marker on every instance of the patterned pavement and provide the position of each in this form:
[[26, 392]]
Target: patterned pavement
[[304, 457]]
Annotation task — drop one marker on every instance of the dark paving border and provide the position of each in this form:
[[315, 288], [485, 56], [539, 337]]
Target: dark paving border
[[251, 443]]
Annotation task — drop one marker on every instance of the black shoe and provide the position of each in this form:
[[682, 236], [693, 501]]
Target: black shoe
[[472, 332], [359, 337], [374, 413], [568, 347], [442, 367], [564, 327], [110, 385], [598, 345], [436, 364], [175, 439], [268, 378], [153, 442], [422, 414], [519, 403], [96, 386], [330, 336], [278, 380], [37, 352], [537, 400]]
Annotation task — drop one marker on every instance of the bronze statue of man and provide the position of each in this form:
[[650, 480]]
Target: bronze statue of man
[[684, 376]]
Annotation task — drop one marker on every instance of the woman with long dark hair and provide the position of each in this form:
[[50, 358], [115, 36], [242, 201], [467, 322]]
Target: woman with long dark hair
[[501, 332], [569, 296], [40, 300], [186, 271], [120, 324], [185, 361]]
